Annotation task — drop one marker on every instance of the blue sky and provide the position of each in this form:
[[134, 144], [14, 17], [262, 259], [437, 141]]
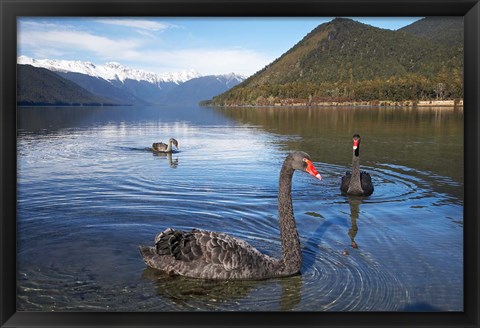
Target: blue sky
[[163, 44]]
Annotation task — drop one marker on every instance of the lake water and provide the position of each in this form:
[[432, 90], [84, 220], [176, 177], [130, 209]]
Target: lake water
[[89, 193]]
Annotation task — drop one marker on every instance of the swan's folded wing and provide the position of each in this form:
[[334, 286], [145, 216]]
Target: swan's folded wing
[[230, 252], [366, 182], [210, 247], [181, 245], [159, 146]]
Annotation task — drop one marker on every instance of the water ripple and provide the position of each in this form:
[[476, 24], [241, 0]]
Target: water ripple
[[103, 192]]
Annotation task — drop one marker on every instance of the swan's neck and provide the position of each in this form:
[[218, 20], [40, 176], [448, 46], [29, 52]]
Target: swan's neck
[[169, 147], [291, 259], [355, 185], [356, 163]]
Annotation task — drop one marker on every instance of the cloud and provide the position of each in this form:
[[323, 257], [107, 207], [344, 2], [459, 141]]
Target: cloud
[[53, 41], [63, 41], [210, 61], [141, 24]]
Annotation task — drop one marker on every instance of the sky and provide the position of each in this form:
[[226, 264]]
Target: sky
[[167, 44]]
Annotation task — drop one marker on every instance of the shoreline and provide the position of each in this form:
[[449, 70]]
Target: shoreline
[[376, 103]]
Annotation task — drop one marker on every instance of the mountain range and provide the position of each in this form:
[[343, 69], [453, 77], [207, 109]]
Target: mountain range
[[339, 61], [344, 60], [113, 83]]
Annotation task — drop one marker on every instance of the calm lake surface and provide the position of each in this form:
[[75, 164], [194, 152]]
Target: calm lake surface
[[89, 193]]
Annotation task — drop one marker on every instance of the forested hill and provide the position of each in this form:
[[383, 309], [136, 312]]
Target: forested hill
[[345, 60], [39, 86], [447, 31]]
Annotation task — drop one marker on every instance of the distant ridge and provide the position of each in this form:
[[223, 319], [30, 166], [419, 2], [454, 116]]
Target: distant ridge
[[202, 88], [39, 86], [344, 60]]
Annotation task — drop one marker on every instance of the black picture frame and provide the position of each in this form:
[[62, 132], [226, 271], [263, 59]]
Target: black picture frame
[[10, 10]]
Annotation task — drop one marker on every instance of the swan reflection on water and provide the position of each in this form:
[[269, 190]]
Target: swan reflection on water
[[204, 294], [172, 162], [354, 203]]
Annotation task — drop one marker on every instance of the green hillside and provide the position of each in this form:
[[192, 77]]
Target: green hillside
[[345, 60], [447, 31], [39, 86]]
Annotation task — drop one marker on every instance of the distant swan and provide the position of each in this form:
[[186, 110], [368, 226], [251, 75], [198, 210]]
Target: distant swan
[[356, 183], [163, 147], [216, 255]]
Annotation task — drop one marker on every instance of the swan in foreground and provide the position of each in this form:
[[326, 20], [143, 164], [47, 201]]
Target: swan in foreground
[[356, 183], [163, 147], [216, 255]]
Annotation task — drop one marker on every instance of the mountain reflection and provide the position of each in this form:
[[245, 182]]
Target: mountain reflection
[[429, 139]]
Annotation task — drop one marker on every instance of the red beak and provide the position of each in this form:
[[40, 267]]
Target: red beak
[[312, 170], [355, 144]]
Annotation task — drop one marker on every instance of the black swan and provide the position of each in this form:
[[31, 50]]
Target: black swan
[[356, 183], [163, 147], [215, 255]]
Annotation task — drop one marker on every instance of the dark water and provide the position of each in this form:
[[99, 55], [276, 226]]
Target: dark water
[[89, 193]]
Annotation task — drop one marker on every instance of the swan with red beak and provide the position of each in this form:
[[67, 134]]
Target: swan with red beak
[[356, 182], [216, 255]]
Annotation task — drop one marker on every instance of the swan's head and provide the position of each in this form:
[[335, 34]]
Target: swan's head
[[174, 142], [302, 161], [356, 141]]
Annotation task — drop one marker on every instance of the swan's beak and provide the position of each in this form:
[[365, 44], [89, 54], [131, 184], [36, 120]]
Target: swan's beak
[[312, 170], [355, 144]]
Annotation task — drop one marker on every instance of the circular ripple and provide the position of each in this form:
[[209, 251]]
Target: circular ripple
[[338, 282]]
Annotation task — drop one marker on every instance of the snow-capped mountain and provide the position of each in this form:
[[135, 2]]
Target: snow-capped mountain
[[111, 71], [202, 88], [230, 79], [123, 85]]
